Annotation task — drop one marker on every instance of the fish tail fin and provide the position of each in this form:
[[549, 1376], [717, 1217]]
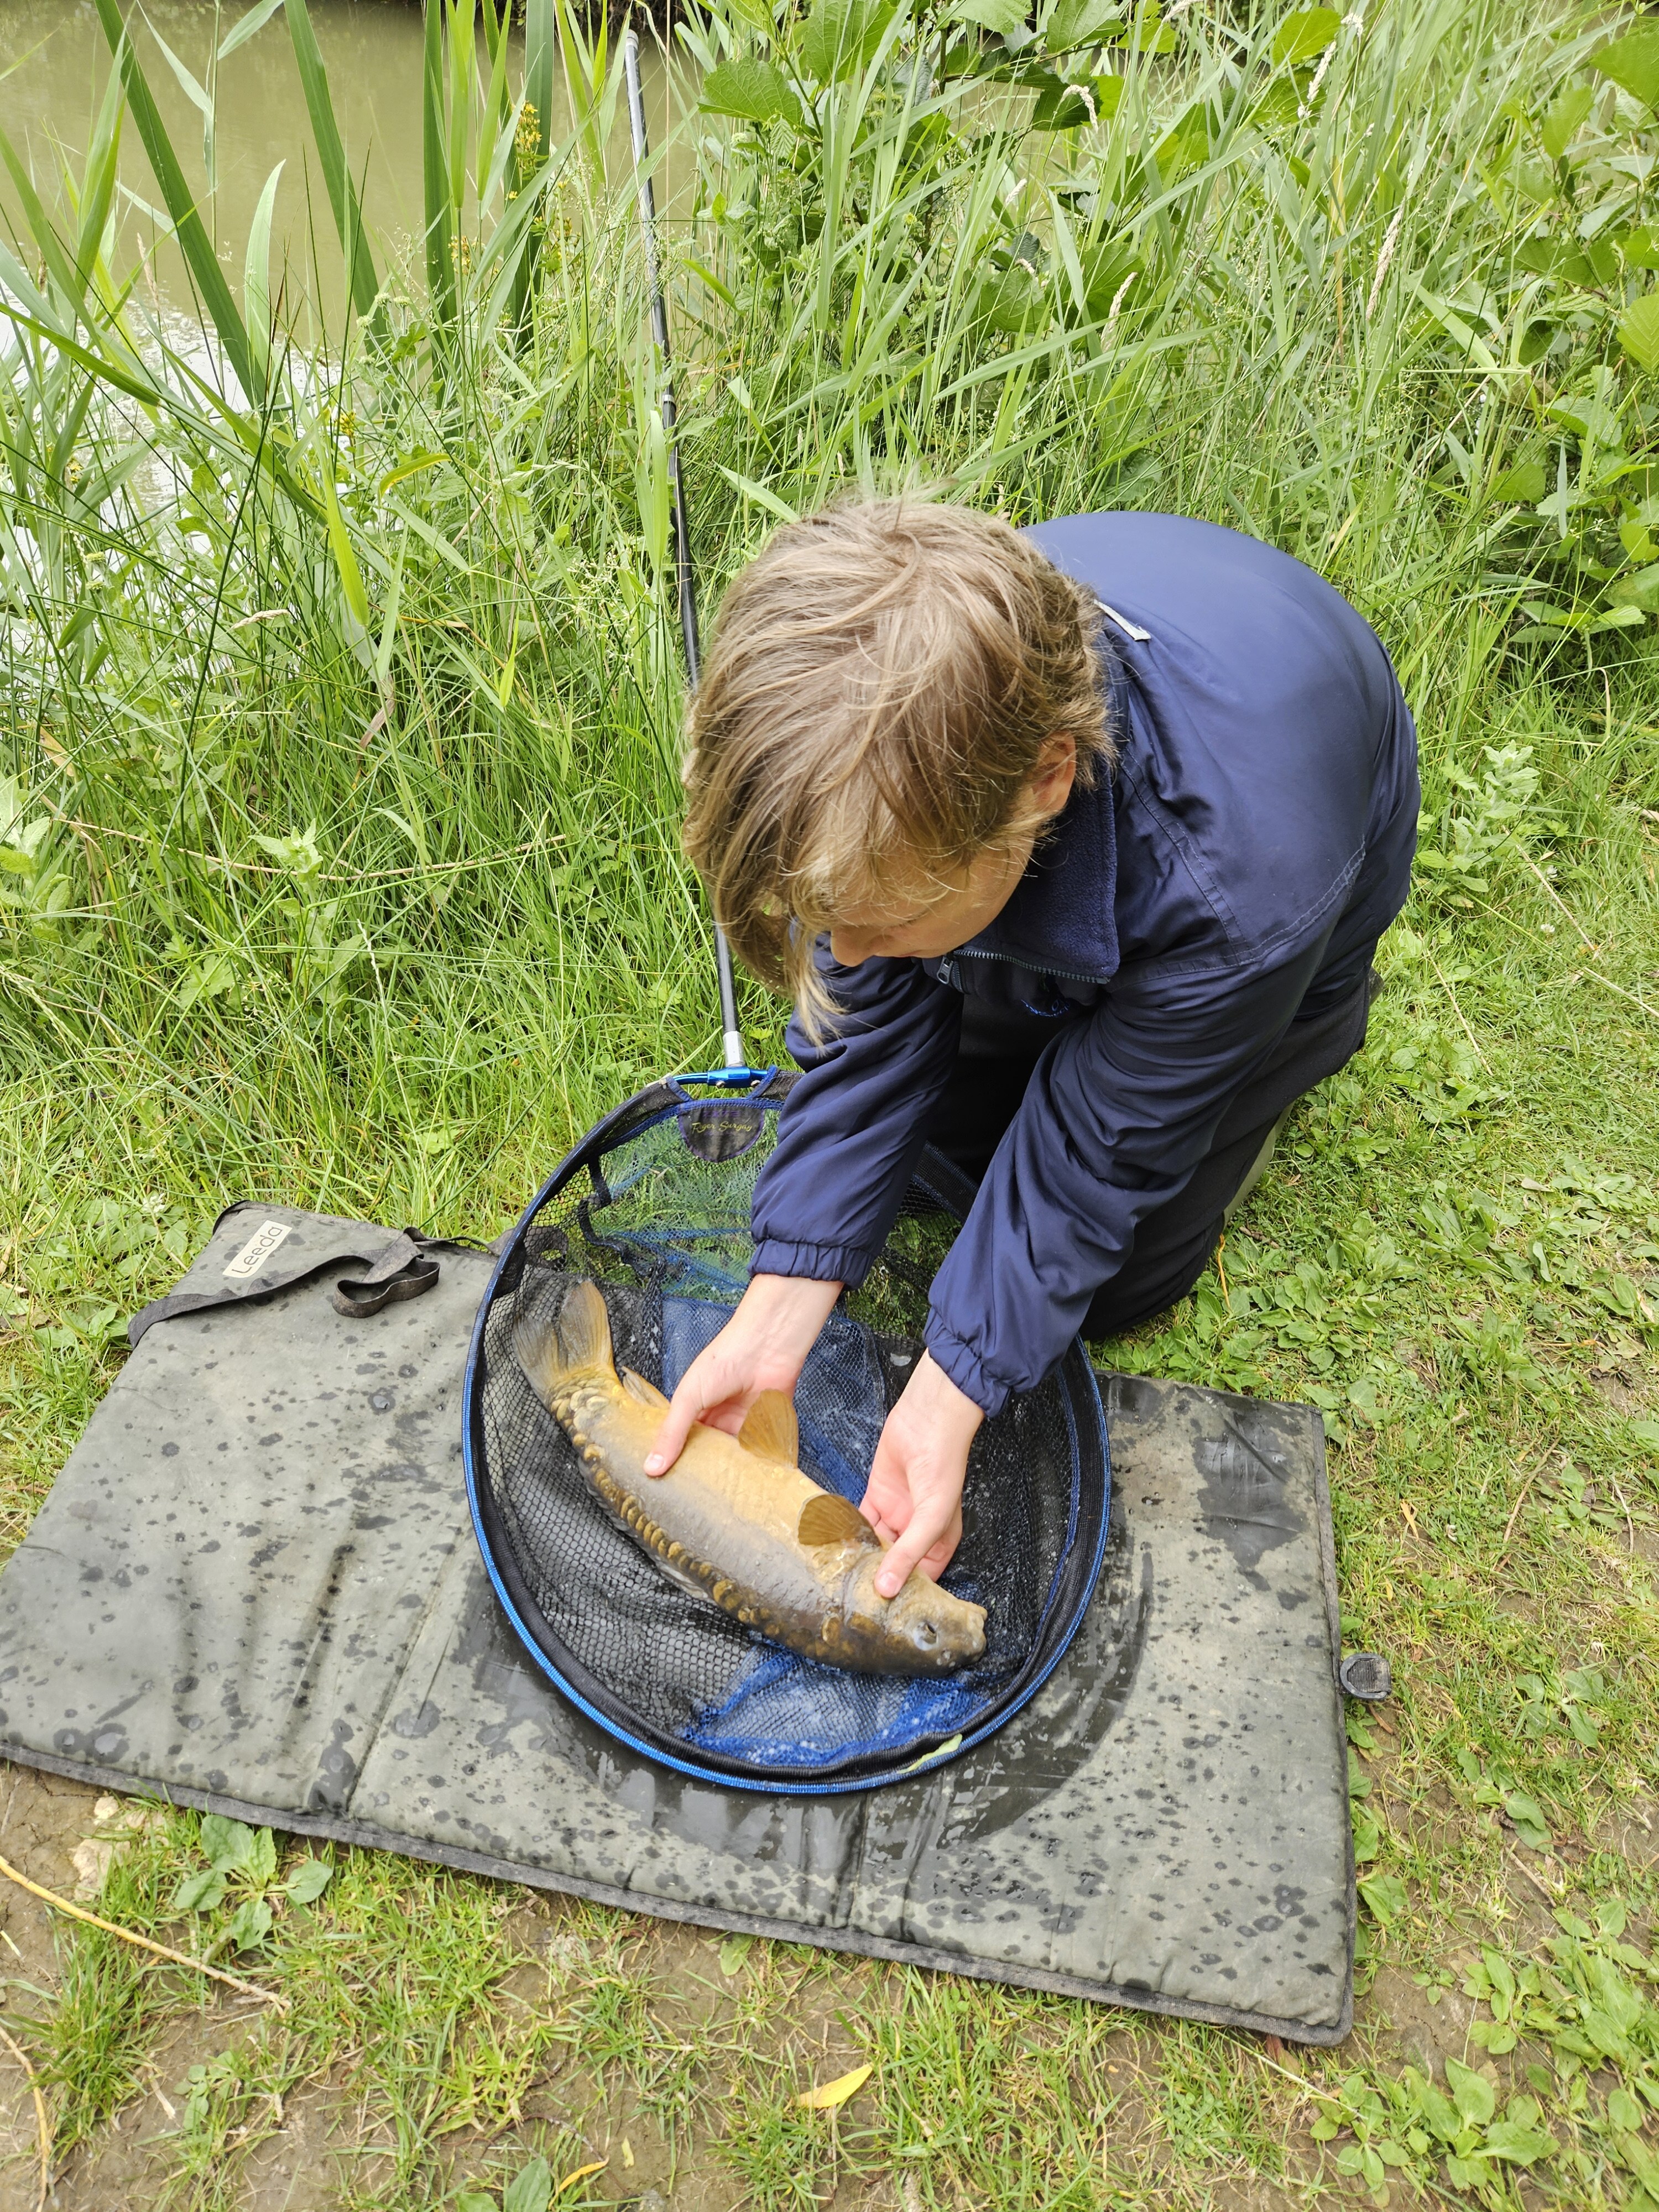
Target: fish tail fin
[[583, 1330], [578, 1343]]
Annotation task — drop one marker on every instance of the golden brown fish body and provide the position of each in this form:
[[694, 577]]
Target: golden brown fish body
[[734, 1519]]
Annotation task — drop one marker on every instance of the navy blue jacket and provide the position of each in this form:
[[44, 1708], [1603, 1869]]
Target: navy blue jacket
[[1232, 876]]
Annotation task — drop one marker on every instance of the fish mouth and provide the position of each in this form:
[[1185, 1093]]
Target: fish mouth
[[937, 1652], [940, 1647]]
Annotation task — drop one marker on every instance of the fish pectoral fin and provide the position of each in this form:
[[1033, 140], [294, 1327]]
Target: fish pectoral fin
[[770, 1429], [647, 1392], [827, 1519]]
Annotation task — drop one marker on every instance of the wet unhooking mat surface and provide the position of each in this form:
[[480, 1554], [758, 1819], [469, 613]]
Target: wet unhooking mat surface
[[254, 1589]]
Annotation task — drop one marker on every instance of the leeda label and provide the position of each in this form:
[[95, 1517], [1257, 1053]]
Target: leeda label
[[259, 1249]]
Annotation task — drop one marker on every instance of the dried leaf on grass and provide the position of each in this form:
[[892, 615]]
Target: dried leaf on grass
[[828, 2094]]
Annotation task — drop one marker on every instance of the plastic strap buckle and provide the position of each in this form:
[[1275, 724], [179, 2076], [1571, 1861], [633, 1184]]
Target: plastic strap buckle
[[1366, 1675]]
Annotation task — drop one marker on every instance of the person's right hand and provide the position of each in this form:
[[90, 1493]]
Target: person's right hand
[[762, 1347]]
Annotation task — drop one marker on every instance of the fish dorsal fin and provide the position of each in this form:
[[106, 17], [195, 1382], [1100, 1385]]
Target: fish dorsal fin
[[584, 1330], [647, 1392], [827, 1519], [768, 1430]]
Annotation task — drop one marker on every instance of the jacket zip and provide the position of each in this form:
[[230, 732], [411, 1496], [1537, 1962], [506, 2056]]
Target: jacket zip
[[1071, 974], [1129, 629]]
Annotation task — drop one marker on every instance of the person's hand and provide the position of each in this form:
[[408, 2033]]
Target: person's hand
[[913, 1497], [762, 1347]]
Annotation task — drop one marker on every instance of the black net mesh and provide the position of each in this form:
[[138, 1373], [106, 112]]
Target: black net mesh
[[658, 1215]]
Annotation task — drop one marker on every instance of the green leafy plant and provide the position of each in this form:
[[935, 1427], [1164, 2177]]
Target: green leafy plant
[[1497, 821], [35, 892], [241, 1869]]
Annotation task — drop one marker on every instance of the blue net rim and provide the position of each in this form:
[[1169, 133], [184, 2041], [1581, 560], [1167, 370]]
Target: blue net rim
[[1075, 1580]]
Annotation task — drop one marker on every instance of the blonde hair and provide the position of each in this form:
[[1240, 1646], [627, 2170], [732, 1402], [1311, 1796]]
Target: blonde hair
[[881, 684]]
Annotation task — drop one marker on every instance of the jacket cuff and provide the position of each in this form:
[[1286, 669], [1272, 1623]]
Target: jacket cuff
[[965, 1368], [819, 1263]]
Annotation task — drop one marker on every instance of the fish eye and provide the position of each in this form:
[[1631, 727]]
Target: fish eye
[[926, 1635]]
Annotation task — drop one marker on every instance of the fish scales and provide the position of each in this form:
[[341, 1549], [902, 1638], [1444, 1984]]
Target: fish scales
[[736, 1521]]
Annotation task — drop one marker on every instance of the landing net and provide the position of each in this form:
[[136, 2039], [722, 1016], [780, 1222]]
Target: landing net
[[654, 1205]]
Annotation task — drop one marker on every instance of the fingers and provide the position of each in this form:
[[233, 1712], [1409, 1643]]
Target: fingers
[[677, 1424], [934, 1563], [928, 1523], [711, 1392], [689, 1404]]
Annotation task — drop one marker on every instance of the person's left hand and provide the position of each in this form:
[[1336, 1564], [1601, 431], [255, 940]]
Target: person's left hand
[[914, 1496]]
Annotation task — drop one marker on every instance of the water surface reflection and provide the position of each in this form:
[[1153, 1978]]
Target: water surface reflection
[[55, 63]]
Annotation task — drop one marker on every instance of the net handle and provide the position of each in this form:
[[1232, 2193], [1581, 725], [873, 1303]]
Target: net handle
[[732, 1034]]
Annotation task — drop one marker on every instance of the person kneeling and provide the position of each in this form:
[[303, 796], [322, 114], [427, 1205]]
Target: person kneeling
[[1073, 846]]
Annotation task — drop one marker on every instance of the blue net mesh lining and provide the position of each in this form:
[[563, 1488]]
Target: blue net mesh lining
[[661, 1223]]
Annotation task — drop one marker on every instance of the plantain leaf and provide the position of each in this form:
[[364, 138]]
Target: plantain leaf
[[1524, 484], [1528, 1820], [260, 1866], [198, 1893], [1385, 1893], [308, 1880], [1472, 2093], [531, 2190], [753, 91], [226, 1844], [250, 1923], [1518, 2144], [732, 1952]]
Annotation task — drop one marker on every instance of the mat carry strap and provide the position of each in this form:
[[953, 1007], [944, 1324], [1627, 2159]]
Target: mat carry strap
[[404, 1268]]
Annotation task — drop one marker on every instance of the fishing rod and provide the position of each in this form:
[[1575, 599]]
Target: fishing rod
[[731, 1038]]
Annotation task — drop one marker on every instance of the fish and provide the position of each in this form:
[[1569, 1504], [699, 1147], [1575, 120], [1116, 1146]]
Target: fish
[[734, 1519]]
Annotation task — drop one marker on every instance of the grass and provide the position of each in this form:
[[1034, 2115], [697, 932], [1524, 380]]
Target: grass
[[337, 806]]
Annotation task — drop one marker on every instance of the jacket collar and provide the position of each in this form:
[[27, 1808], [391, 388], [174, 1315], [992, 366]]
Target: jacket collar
[[1060, 920]]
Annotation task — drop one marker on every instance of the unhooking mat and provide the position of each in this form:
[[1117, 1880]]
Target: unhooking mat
[[254, 1589]]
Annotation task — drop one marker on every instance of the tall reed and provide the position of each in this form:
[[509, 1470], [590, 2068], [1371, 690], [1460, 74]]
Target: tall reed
[[339, 818]]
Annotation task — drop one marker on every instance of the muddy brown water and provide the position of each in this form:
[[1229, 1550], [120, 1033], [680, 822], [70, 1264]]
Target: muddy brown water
[[55, 63]]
